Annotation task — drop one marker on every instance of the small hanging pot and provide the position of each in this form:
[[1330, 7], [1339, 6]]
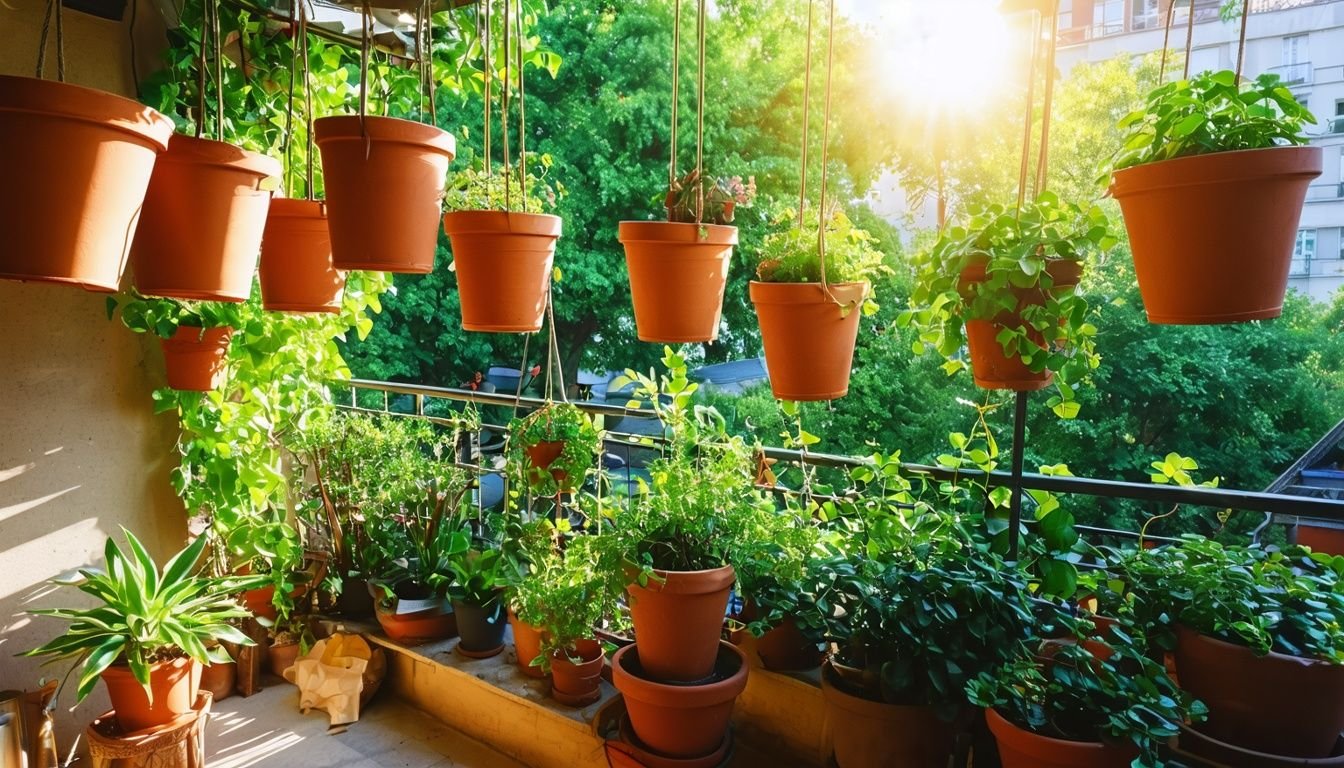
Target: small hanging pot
[[84, 159], [503, 263], [677, 277], [809, 337], [296, 271], [194, 357], [200, 232], [384, 181], [991, 367]]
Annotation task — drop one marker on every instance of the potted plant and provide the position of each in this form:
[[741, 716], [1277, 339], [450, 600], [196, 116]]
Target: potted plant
[[1211, 179], [679, 267], [296, 272], [194, 336], [149, 635], [70, 143], [503, 247], [773, 576], [555, 447], [477, 591], [1006, 285], [809, 325]]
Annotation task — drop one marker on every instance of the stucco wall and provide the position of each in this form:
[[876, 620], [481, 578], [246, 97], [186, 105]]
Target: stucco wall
[[81, 453]]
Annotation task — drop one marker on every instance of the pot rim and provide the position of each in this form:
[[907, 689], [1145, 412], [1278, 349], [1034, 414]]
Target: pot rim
[[806, 293], [1186, 632], [219, 154], [687, 582], [472, 222], [122, 669], [1218, 168], [681, 233], [673, 696], [1001, 726], [188, 337], [90, 105], [384, 129], [297, 208]]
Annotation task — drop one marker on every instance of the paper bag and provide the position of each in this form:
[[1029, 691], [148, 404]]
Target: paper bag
[[331, 676]]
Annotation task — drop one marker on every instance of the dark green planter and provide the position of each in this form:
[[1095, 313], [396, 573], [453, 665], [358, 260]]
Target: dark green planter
[[481, 629]]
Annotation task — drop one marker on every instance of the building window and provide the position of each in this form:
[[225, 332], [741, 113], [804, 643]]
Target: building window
[[1066, 19], [1336, 125], [1110, 17], [1295, 49], [1146, 15], [1304, 250]]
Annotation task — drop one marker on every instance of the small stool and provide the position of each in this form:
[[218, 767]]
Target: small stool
[[176, 744]]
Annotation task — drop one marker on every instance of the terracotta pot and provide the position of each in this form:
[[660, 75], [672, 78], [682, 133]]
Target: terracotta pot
[[384, 182], [677, 276], [281, 657], [503, 264], [174, 686], [631, 752], [680, 720], [542, 455], [1194, 743], [1213, 235], [874, 734], [258, 602], [678, 618], [219, 679], [809, 339], [1024, 749], [481, 629], [1279, 704], [200, 232], [83, 159], [990, 367], [194, 359], [578, 685], [419, 627], [526, 645], [296, 271], [784, 649]]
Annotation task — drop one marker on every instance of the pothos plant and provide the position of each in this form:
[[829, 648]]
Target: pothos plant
[[563, 423], [722, 196], [1017, 269], [163, 316]]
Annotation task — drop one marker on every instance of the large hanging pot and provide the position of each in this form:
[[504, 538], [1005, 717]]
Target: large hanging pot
[[678, 618], [677, 276], [503, 263], [80, 161], [1213, 235], [384, 181], [194, 360], [296, 271], [200, 233], [990, 366], [874, 734], [809, 337]]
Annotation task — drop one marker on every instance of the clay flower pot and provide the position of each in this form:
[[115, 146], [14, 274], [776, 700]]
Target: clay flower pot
[[678, 618], [173, 685], [677, 276], [1213, 235], [384, 181], [1024, 749], [808, 338], [990, 367], [1279, 704], [418, 627], [1194, 743], [200, 231], [874, 734], [296, 271], [219, 679], [784, 649], [481, 628], [194, 359], [259, 602], [83, 159], [578, 685], [281, 656], [526, 645], [542, 455], [680, 720], [503, 263]]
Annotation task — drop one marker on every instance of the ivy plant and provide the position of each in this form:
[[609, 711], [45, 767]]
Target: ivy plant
[[791, 253], [552, 423], [163, 316]]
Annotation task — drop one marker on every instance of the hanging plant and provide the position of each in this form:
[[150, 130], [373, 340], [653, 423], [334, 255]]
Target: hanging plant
[[555, 447], [194, 336]]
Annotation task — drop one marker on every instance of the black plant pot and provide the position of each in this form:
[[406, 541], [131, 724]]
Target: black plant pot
[[481, 629], [355, 600]]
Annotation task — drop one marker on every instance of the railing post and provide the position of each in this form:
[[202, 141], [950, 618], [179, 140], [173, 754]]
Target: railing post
[[1015, 483]]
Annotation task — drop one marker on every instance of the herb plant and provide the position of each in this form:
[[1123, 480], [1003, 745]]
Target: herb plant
[[552, 423], [473, 189], [722, 197], [791, 255], [567, 596]]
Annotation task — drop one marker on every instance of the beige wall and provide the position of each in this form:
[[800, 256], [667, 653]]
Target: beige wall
[[81, 453]]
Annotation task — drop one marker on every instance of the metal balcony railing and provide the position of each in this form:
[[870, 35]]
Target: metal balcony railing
[[1299, 73], [1324, 193]]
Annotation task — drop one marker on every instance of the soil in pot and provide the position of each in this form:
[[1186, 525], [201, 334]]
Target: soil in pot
[[808, 337], [194, 358], [174, 684], [481, 628], [503, 263], [576, 673], [418, 627], [1213, 235], [874, 734], [1019, 748], [384, 181], [677, 278], [1278, 704], [84, 159], [200, 230], [680, 720], [990, 367], [296, 272], [219, 679], [526, 645], [678, 618]]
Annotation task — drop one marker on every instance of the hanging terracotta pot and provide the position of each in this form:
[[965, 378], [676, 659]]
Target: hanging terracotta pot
[[200, 232], [296, 272], [542, 455], [578, 684], [677, 276], [526, 645], [80, 160], [173, 686], [503, 263], [809, 338], [194, 358], [678, 618], [1321, 537], [384, 182], [1213, 235], [1023, 749], [874, 734], [677, 720], [1283, 705], [990, 367]]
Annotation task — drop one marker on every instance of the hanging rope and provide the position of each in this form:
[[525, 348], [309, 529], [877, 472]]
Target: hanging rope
[[427, 56], [522, 112], [807, 102], [1189, 39], [219, 69], [1241, 42], [1166, 42], [554, 352], [825, 152], [293, 75], [420, 53], [487, 65], [1025, 166], [676, 92], [1043, 162], [700, 119], [504, 105], [307, 98], [366, 42], [56, 10]]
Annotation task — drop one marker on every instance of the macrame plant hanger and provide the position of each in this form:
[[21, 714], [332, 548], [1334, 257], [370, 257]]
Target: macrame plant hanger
[[674, 133], [1190, 39], [55, 10]]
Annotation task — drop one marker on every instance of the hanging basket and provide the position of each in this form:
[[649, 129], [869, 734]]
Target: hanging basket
[[677, 277], [384, 182], [80, 160], [200, 232], [991, 367], [194, 357], [296, 270], [503, 264], [1212, 235], [809, 338]]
